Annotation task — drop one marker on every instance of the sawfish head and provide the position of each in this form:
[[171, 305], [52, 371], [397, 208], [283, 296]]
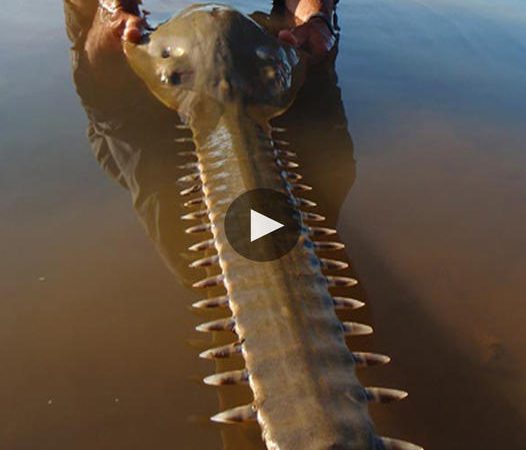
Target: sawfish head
[[213, 51]]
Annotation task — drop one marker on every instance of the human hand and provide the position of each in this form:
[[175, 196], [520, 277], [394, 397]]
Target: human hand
[[109, 30], [315, 37]]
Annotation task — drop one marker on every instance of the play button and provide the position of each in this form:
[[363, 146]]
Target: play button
[[262, 224]]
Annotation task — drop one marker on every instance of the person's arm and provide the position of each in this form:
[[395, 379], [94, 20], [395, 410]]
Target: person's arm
[[313, 31]]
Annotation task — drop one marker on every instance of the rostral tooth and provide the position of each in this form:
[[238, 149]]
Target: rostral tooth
[[194, 202], [227, 324], [246, 413], [293, 176], [191, 190], [328, 245], [365, 359], [321, 231], [205, 262], [285, 153], [215, 302], [287, 164], [341, 281], [396, 444], [332, 264], [226, 378], [305, 203], [215, 280], [356, 329], [346, 302], [201, 228], [189, 178], [224, 351], [203, 245], [312, 217], [183, 140], [300, 187], [384, 395], [195, 215]]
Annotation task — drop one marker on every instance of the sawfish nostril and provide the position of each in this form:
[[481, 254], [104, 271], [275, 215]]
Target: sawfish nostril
[[175, 78]]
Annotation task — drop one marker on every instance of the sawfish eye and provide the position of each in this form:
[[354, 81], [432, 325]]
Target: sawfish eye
[[165, 53]]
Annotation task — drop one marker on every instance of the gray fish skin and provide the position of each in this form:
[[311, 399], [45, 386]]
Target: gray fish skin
[[227, 78], [301, 372]]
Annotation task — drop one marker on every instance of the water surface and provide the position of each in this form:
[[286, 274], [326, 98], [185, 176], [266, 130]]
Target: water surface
[[96, 336]]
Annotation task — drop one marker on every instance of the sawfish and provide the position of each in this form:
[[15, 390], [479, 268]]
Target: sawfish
[[228, 78]]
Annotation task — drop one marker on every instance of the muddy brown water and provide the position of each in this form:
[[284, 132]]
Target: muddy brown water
[[416, 150]]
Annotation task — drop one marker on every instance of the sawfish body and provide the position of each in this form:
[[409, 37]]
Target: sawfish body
[[228, 78]]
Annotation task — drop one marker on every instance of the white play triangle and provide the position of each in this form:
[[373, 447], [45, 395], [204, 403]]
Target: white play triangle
[[261, 225]]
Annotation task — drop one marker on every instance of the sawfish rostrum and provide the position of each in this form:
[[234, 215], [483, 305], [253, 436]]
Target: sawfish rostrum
[[228, 78]]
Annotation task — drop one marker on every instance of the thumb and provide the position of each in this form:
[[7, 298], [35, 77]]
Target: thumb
[[296, 37], [133, 30], [288, 37]]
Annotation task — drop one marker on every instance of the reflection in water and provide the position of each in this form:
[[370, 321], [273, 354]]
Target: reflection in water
[[136, 141], [133, 137], [436, 92]]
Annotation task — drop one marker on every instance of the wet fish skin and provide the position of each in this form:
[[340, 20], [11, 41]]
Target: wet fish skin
[[302, 375], [227, 78]]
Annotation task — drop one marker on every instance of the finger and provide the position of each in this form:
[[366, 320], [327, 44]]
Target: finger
[[301, 34], [132, 34], [118, 26], [133, 30], [288, 37]]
